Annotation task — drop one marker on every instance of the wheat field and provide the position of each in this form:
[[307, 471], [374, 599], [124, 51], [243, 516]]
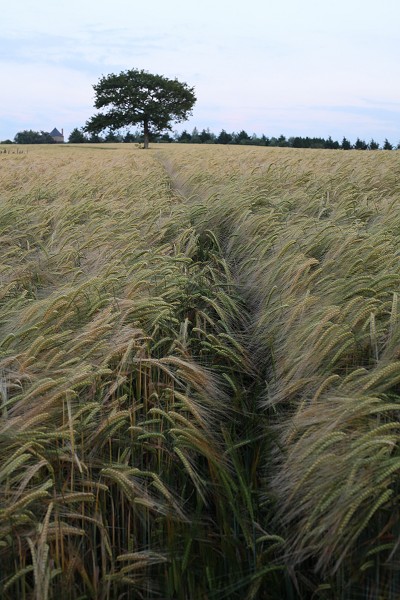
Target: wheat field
[[199, 373]]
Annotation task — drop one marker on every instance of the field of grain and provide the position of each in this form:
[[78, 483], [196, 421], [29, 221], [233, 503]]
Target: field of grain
[[199, 373]]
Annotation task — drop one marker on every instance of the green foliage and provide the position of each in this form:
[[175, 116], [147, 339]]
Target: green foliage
[[33, 137], [242, 137], [224, 138], [77, 136], [387, 145], [346, 145], [137, 97], [131, 137], [112, 137], [205, 136], [94, 138], [184, 137], [360, 145]]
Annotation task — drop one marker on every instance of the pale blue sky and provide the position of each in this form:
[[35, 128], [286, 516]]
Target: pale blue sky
[[297, 67]]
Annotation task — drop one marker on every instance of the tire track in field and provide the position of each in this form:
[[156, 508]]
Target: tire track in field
[[242, 330]]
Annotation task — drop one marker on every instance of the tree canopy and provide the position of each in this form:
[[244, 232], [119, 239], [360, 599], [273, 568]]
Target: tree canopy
[[33, 137], [137, 97]]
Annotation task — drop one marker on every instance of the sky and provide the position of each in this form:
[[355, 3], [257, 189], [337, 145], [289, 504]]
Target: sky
[[293, 67]]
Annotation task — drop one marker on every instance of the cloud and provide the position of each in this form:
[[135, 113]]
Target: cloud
[[85, 51], [39, 96], [282, 67]]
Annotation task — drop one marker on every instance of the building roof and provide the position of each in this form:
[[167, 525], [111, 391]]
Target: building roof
[[56, 133]]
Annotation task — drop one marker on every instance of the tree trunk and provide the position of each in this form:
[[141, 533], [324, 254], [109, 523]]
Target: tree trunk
[[146, 133]]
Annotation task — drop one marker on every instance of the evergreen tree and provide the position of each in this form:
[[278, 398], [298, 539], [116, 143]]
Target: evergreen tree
[[373, 145], [77, 136], [184, 137], [330, 144], [166, 138], [297, 142], [130, 138], [242, 137], [112, 137], [345, 145], [317, 143], [360, 145], [195, 136], [282, 141], [205, 136], [387, 145], [224, 137], [254, 140], [95, 139]]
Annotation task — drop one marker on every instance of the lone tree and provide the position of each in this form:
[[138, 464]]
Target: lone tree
[[138, 97]]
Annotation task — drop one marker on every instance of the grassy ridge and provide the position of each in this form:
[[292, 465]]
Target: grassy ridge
[[199, 373]]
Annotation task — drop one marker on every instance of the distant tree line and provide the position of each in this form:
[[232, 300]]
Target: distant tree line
[[78, 136], [243, 138]]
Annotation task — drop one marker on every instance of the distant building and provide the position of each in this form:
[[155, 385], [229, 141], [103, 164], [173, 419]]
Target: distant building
[[57, 136]]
